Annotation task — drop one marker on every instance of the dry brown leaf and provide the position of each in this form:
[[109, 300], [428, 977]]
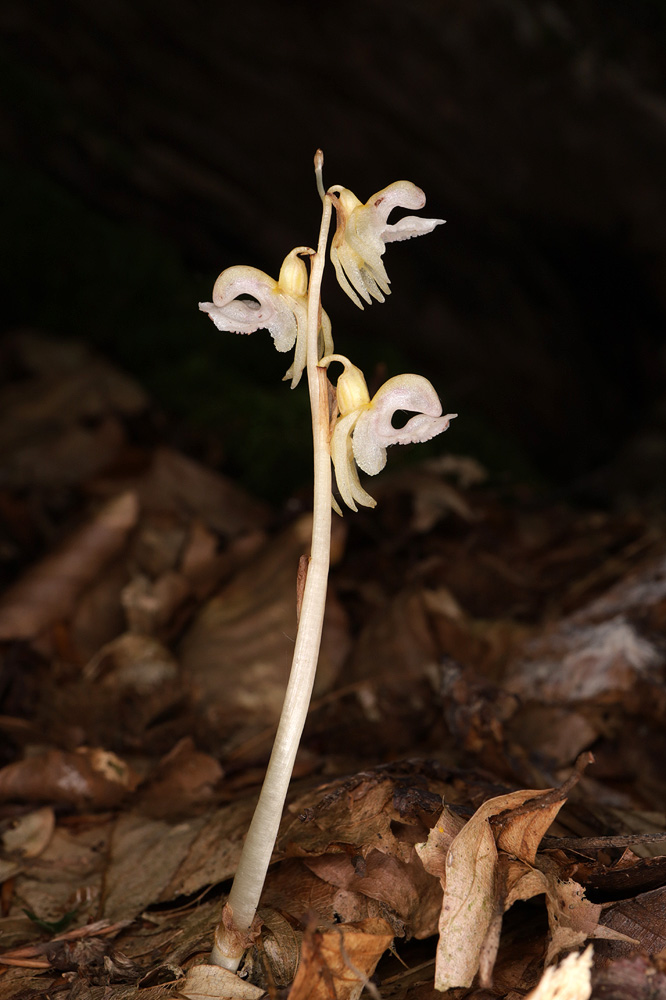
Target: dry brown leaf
[[62, 423], [474, 899], [201, 564], [356, 812], [600, 652], [182, 784], [404, 887], [573, 918], [239, 648], [48, 592], [643, 918], [435, 849], [580, 662], [292, 888], [639, 978], [151, 860], [31, 833], [133, 662], [88, 777], [68, 874], [150, 605], [179, 484], [338, 963], [210, 982]]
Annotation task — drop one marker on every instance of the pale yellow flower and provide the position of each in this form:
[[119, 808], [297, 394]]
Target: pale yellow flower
[[363, 232], [277, 306], [364, 429]]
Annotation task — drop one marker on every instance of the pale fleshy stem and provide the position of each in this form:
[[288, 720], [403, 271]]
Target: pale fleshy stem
[[232, 933]]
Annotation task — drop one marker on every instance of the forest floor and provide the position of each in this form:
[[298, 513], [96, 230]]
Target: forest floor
[[481, 785]]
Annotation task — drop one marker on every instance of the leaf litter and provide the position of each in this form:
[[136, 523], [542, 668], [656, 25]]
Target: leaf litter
[[440, 836]]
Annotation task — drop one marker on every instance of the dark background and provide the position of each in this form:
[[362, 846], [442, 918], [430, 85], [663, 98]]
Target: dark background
[[145, 146]]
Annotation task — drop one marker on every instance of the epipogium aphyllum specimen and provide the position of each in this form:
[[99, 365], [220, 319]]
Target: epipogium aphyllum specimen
[[355, 436]]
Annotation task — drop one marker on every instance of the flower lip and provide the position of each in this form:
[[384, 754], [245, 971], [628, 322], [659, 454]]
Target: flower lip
[[246, 299], [263, 305], [374, 431]]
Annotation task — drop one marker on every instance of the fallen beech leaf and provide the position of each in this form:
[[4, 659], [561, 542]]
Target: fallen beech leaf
[[579, 661], [474, 899], [280, 946], [133, 662], [149, 605], [62, 422], [31, 833], [434, 851], [183, 782], [291, 887], [338, 963], [570, 980], [210, 982], [573, 918], [644, 918], [48, 592], [355, 812], [405, 887], [87, 778], [177, 483], [151, 860], [239, 648], [641, 977]]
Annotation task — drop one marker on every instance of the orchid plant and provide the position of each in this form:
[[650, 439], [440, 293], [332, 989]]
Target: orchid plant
[[353, 434]]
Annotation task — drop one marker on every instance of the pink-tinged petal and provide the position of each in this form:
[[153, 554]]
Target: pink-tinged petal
[[267, 309], [374, 431]]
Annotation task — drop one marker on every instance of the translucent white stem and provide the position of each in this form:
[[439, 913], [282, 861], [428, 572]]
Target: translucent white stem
[[231, 934]]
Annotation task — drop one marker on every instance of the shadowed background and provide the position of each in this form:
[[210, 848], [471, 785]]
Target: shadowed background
[[145, 146]]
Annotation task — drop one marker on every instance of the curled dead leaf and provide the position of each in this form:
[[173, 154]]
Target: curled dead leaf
[[86, 778], [210, 982], [474, 898]]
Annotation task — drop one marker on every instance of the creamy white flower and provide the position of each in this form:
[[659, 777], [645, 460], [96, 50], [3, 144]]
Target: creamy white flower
[[266, 304], [363, 232], [364, 428]]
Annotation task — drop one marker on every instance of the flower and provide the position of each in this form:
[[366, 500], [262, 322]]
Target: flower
[[364, 428], [363, 232], [281, 307]]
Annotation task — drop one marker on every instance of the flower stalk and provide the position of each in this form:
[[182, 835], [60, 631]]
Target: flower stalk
[[234, 931]]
